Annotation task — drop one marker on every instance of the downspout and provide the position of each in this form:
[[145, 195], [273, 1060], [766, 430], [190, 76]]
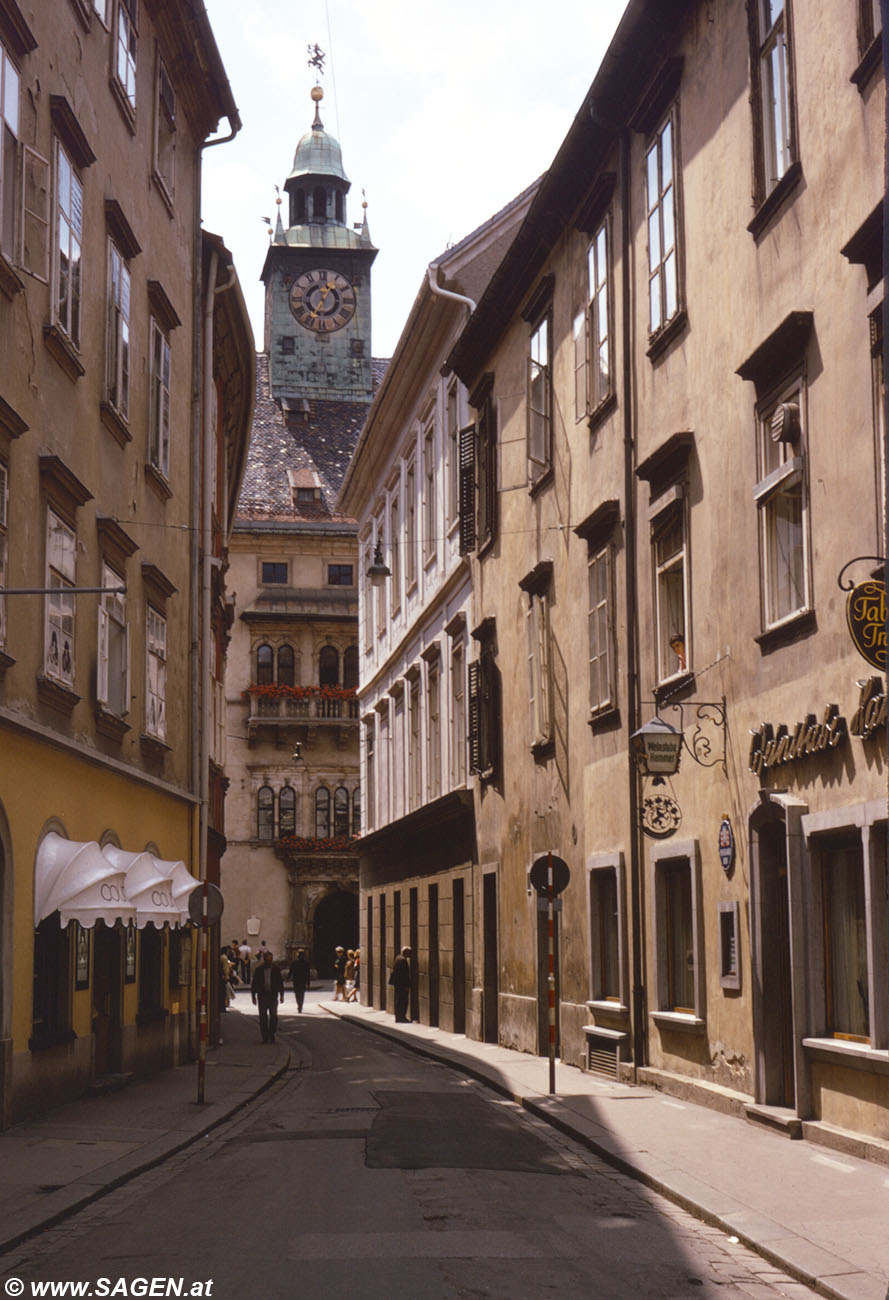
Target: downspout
[[432, 271], [632, 606]]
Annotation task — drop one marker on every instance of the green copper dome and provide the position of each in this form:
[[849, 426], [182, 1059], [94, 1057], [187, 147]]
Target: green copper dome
[[318, 154]]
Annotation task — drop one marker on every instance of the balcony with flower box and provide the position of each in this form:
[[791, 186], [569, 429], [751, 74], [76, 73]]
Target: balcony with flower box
[[299, 709]]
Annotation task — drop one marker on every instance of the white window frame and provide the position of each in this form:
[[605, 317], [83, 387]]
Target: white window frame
[[452, 451], [68, 247], [155, 673], [539, 400], [395, 548], [601, 642], [59, 623], [776, 91], [125, 51], [165, 131], [598, 328], [410, 539], [113, 662], [537, 614], [10, 99], [414, 743], [117, 354], [159, 382], [369, 731], [380, 589], [673, 644], [663, 228], [782, 475]]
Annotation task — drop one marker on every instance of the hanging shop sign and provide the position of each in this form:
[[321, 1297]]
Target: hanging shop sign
[[866, 617], [726, 845], [770, 748]]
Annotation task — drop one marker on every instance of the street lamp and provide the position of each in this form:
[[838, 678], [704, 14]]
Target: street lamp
[[379, 571], [656, 748]]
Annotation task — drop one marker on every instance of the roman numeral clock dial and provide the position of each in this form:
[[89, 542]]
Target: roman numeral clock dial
[[322, 301]]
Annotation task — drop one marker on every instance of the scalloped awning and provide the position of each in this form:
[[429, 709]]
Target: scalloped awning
[[149, 888], [78, 881]]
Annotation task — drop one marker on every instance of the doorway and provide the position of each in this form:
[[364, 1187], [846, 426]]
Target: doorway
[[490, 1022], [335, 924], [776, 1002], [433, 955], [459, 958], [107, 997]]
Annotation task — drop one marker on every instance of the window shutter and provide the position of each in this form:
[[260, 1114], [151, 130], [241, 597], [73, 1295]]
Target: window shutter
[[35, 214], [467, 441], [102, 664], [474, 673]]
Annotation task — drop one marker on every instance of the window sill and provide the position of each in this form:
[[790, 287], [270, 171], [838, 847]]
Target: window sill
[[857, 1056], [10, 284], [63, 351], [604, 409], [56, 694], [110, 724], [544, 481], [605, 1007], [153, 747], [53, 1038], [683, 1021], [870, 60], [115, 423], [541, 750], [158, 481], [607, 719], [791, 630], [659, 342], [127, 111], [670, 686], [772, 204]]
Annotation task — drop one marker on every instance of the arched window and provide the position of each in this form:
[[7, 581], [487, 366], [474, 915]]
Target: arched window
[[341, 811], [356, 811], [287, 811], [322, 813], [285, 665], [265, 665], [350, 668], [328, 666], [265, 813], [319, 203], [298, 208]]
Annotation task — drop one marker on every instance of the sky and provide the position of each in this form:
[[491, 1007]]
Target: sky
[[444, 114]]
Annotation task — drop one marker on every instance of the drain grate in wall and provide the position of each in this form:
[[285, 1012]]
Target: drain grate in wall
[[602, 1058]]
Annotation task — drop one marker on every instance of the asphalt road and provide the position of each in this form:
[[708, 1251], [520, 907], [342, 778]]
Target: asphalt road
[[369, 1173]]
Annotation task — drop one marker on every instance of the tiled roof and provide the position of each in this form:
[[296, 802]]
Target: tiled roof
[[319, 440]]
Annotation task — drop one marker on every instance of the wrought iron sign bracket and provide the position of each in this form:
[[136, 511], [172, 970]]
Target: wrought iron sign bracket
[[707, 721], [846, 584]]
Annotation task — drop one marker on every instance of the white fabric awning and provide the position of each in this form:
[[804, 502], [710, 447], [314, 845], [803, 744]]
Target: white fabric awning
[[149, 889], [183, 884], [79, 881]]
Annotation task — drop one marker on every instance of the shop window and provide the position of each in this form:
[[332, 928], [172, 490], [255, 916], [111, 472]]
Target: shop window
[[845, 939], [287, 811], [605, 934], [680, 958], [51, 1010], [265, 665], [265, 813], [322, 813], [151, 969]]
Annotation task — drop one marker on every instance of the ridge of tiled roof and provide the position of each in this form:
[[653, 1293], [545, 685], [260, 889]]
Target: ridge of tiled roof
[[320, 440]]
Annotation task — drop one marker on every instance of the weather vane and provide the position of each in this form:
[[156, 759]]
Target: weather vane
[[316, 58]]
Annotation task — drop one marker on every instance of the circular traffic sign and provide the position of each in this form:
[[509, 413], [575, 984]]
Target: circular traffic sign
[[214, 904], [540, 872]]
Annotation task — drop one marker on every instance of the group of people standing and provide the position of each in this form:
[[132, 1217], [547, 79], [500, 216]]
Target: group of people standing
[[347, 974]]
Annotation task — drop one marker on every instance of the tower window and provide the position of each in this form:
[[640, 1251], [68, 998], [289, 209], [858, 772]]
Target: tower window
[[298, 209], [338, 198], [319, 203]]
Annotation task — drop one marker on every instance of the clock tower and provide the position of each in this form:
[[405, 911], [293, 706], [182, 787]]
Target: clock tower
[[317, 281]]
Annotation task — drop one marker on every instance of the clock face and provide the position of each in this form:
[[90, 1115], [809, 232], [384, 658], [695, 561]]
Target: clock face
[[322, 301]]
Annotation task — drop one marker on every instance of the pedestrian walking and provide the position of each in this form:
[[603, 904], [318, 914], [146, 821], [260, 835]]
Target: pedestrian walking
[[245, 952], [225, 977], [300, 975], [352, 994], [339, 975], [267, 990], [400, 979]]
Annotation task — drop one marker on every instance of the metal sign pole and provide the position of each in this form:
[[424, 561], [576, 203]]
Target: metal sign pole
[[551, 978]]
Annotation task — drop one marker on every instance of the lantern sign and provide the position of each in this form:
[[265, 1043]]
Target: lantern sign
[[866, 618], [656, 747]]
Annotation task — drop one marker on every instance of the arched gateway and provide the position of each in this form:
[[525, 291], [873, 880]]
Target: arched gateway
[[335, 923]]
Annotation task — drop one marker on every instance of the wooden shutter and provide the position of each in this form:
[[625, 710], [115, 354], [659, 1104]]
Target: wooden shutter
[[474, 674], [466, 491]]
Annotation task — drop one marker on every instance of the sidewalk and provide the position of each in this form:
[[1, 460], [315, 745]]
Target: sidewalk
[[55, 1164], [820, 1217]]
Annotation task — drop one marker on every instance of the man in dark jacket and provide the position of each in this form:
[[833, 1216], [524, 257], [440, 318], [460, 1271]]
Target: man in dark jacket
[[300, 974], [400, 979], [267, 989]]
